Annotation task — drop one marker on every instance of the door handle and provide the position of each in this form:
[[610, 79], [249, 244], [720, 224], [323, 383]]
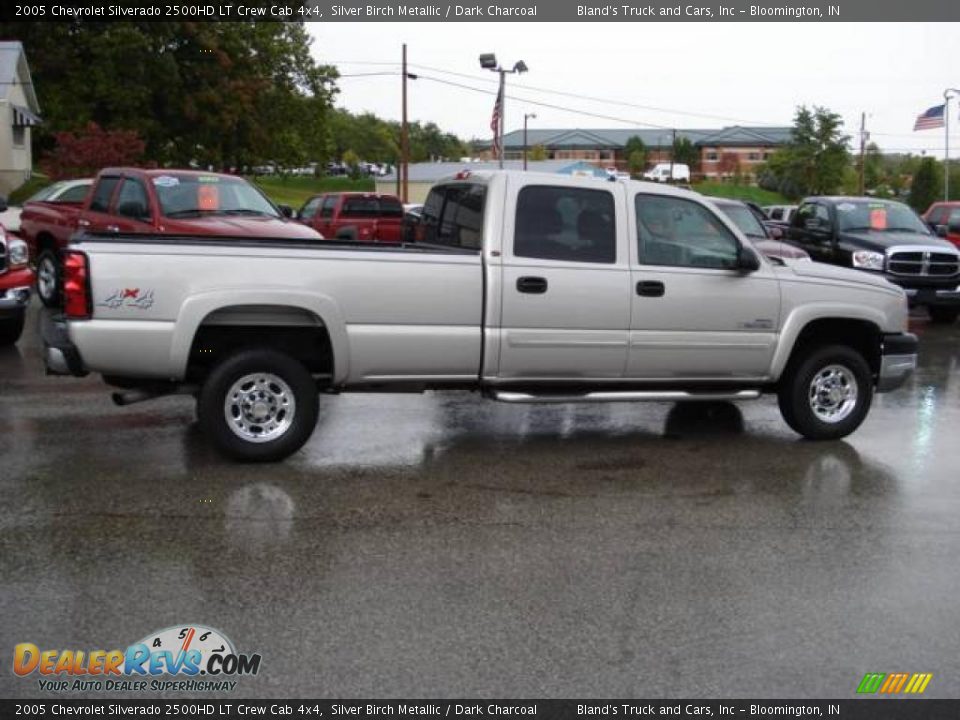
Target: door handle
[[532, 285], [650, 288], [82, 222], [112, 228]]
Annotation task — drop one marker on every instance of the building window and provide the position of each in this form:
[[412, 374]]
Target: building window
[[753, 157], [19, 135], [711, 156]]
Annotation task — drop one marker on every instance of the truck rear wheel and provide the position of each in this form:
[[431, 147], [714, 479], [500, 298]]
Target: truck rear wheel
[[258, 406], [48, 278], [826, 393], [11, 329]]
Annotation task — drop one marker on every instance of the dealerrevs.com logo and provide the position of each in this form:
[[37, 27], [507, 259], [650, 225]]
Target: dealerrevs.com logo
[[188, 658]]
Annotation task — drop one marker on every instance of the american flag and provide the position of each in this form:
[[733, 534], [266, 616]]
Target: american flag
[[932, 118], [495, 124]]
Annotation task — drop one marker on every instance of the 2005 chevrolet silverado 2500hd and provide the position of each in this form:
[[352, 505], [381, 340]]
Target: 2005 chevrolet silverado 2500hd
[[527, 287]]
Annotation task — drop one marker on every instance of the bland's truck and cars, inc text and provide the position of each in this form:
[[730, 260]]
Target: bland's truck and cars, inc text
[[527, 288]]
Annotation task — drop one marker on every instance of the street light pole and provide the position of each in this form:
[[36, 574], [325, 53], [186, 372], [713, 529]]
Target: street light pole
[[946, 139], [404, 138], [526, 116], [488, 61]]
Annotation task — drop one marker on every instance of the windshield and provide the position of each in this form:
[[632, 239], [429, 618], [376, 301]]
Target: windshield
[[196, 195], [47, 192], [744, 219], [879, 215]]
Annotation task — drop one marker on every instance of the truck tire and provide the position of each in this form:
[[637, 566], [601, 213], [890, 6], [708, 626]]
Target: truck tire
[[943, 315], [825, 393], [258, 406], [48, 278], [11, 329]]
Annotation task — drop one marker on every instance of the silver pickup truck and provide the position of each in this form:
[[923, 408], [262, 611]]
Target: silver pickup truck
[[526, 287]]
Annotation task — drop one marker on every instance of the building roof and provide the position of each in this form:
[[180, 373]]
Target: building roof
[[433, 171], [617, 138], [14, 70]]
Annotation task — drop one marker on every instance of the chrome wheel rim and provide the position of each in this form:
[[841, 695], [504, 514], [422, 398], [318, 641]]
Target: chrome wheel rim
[[46, 278], [833, 393], [259, 407]]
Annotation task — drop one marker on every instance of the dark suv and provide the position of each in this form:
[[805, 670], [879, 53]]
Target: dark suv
[[882, 236]]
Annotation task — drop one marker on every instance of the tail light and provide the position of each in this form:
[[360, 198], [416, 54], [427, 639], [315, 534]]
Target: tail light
[[77, 303]]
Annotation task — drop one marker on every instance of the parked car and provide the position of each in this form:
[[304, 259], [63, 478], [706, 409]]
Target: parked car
[[528, 288], [665, 172], [782, 214], [746, 219], [16, 279], [155, 202], [362, 217], [883, 238], [943, 218], [56, 197], [412, 216]]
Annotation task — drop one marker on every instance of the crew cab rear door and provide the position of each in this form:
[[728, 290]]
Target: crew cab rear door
[[565, 306], [96, 216], [390, 223]]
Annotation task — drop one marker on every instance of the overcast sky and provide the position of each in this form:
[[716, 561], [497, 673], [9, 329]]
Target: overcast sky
[[717, 73]]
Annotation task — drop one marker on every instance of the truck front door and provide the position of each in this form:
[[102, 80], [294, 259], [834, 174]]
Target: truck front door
[[565, 283]]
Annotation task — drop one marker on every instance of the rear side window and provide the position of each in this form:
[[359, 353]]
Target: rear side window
[[360, 207], [132, 200], [565, 223], [390, 208], [102, 194], [329, 203], [453, 215]]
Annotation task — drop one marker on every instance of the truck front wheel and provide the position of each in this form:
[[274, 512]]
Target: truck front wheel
[[825, 394], [258, 406]]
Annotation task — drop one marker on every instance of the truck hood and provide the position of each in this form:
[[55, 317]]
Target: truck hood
[[880, 240], [240, 226], [824, 271]]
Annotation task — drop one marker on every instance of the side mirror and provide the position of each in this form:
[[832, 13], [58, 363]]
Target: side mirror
[[3, 204], [747, 260], [776, 232], [941, 230], [285, 210]]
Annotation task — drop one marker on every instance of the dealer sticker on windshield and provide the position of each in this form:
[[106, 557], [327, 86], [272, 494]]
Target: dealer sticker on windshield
[[166, 181]]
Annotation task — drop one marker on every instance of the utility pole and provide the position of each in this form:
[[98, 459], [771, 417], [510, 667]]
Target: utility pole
[[404, 138], [673, 149], [863, 148]]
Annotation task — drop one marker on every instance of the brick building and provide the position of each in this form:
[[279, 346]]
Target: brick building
[[722, 152]]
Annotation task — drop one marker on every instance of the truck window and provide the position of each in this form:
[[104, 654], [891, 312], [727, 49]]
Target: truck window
[[76, 194], [682, 233], [310, 209], [100, 202], [390, 208], [329, 203], [453, 215], [132, 200], [565, 223], [360, 207]]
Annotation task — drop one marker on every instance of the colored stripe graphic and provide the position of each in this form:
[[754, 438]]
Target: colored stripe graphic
[[894, 683]]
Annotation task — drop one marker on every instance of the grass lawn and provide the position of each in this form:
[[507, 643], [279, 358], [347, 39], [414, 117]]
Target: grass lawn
[[294, 191], [37, 182], [741, 192]]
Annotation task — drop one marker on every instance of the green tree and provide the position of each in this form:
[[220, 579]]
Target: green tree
[[686, 153], [926, 186], [815, 159], [537, 153], [635, 151]]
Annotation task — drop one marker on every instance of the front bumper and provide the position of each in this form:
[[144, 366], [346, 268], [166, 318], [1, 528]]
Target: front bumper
[[932, 296], [898, 360], [59, 353], [15, 289]]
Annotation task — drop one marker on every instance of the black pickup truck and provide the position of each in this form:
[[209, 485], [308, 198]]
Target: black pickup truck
[[886, 237]]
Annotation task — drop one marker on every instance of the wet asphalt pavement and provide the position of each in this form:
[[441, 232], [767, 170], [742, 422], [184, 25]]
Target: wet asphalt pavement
[[444, 546]]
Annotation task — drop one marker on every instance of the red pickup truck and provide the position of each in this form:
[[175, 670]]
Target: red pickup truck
[[364, 217], [944, 219], [155, 202]]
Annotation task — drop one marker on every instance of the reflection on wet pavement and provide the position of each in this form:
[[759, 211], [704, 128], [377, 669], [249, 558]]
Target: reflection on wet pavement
[[442, 545]]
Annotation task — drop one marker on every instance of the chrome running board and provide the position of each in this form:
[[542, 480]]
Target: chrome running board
[[509, 396]]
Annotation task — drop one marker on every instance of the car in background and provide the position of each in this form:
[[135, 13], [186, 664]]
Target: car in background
[[63, 193], [747, 221], [355, 216], [134, 201], [16, 279], [668, 172], [886, 238], [412, 217], [943, 218]]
